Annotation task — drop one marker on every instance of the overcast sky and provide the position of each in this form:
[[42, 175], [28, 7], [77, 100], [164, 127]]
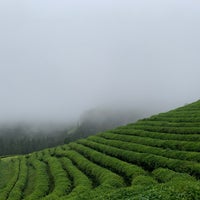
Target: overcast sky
[[61, 57]]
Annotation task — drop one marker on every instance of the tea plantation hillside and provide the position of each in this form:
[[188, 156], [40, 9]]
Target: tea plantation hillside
[[155, 158]]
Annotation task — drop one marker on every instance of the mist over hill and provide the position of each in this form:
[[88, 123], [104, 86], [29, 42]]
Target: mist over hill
[[27, 136], [103, 118], [22, 138]]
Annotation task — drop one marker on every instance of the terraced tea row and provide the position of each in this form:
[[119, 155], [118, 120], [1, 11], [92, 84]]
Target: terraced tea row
[[182, 155], [165, 144], [10, 184], [124, 169], [156, 135], [41, 183], [147, 160]]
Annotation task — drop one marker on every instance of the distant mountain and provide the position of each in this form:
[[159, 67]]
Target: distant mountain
[[102, 119], [21, 138]]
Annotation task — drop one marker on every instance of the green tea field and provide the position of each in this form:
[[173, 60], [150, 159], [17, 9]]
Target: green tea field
[[154, 158]]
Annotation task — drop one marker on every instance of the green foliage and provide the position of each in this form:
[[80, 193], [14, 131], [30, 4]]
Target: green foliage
[[182, 155], [17, 191], [165, 144], [41, 186], [81, 182], [7, 171], [101, 176], [147, 160], [164, 175], [127, 130], [125, 169], [5, 192], [168, 129], [62, 183]]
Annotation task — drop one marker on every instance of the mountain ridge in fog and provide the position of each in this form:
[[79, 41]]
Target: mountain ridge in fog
[[103, 118]]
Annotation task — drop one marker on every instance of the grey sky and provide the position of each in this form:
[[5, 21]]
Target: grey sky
[[59, 58]]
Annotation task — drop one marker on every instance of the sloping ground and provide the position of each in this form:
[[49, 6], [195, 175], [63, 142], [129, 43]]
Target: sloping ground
[[155, 158]]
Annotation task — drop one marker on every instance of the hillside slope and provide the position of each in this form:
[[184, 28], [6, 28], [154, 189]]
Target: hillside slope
[[155, 158]]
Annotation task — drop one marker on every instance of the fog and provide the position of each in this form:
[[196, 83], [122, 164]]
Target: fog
[[60, 58]]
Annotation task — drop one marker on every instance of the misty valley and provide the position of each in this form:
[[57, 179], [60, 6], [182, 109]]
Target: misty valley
[[26, 137]]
